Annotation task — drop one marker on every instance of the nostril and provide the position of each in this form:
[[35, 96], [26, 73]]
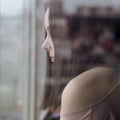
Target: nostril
[[46, 46]]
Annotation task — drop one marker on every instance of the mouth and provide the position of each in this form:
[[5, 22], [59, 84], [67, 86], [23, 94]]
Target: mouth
[[52, 59]]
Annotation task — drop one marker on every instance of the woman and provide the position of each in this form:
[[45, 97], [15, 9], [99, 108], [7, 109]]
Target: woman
[[92, 95]]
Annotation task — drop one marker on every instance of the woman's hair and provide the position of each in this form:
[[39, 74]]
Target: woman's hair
[[92, 49], [52, 86]]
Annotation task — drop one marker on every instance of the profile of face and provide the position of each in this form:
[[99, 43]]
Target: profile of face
[[48, 43]]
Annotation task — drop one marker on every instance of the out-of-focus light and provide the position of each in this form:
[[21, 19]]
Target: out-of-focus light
[[4, 88], [11, 7], [70, 5]]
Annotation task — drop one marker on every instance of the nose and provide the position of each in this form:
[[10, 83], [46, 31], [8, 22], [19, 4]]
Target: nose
[[46, 45]]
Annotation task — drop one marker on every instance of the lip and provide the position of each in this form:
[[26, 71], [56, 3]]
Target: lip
[[52, 59]]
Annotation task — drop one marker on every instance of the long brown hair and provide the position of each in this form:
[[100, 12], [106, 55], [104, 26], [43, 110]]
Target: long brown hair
[[52, 86], [82, 58]]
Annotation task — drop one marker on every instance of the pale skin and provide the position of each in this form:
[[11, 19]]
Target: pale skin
[[88, 87], [48, 43]]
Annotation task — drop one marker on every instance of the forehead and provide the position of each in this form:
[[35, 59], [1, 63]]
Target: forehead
[[47, 17]]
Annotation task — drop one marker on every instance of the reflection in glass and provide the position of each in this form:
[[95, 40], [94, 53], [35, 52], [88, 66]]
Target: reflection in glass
[[11, 60], [85, 34]]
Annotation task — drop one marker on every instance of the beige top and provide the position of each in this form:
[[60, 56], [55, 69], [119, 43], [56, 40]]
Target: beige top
[[101, 110], [92, 95]]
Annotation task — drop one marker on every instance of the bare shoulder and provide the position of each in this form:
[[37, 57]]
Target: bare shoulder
[[87, 88]]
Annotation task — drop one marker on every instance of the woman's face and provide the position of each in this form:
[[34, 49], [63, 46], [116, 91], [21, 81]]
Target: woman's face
[[48, 43]]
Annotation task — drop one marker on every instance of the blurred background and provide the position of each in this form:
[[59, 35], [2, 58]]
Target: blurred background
[[84, 31], [21, 58]]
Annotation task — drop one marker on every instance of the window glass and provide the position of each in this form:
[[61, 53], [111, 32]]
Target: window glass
[[11, 59], [86, 34]]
